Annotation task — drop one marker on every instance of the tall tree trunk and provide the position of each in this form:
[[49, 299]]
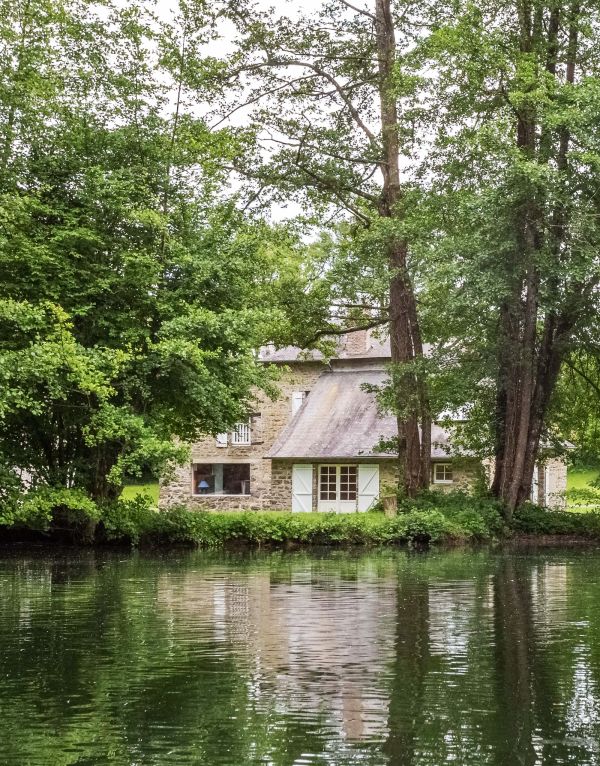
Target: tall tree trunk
[[405, 335], [529, 365]]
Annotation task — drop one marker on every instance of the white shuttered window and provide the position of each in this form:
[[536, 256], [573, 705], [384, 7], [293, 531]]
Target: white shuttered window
[[241, 434]]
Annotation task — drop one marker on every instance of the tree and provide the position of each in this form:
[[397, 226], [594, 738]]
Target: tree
[[576, 404], [134, 291], [324, 93], [515, 165]]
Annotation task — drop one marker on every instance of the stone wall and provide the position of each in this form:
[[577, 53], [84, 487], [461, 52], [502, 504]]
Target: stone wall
[[556, 483], [267, 489], [464, 475], [280, 497]]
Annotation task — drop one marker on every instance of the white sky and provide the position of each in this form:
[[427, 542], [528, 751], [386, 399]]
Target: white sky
[[167, 8]]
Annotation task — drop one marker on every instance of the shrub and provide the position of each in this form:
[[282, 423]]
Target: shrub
[[40, 508], [137, 522], [431, 518], [533, 520]]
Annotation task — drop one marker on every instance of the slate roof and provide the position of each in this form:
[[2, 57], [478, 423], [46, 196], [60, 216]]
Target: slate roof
[[338, 419], [376, 348]]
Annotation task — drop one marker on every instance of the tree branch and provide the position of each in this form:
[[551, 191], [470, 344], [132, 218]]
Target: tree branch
[[583, 375], [358, 10], [347, 330]]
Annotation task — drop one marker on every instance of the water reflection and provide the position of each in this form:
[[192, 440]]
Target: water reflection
[[287, 659]]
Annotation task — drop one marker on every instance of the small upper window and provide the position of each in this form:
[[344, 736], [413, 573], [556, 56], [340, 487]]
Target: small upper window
[[298, 398], [442, 473], [241, 434]]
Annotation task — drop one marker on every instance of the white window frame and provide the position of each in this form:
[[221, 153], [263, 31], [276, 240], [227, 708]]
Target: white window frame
[[241, 435], [221, 440], [437, 480], [338, 482]]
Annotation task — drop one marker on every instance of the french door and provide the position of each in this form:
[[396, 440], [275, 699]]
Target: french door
[[338, 488]]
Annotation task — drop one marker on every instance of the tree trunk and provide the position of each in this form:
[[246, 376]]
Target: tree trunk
[[529, 365], [405, 336], [102, 460]]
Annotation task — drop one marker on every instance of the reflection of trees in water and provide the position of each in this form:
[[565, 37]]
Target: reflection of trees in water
[[409, 670], [476, 658], [513, 644], [438, 672]]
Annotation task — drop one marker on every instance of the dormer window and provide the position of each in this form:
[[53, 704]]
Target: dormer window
[[298, 398]]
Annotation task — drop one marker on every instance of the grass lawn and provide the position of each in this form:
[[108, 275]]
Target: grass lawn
[[133, 490], [580, 479]]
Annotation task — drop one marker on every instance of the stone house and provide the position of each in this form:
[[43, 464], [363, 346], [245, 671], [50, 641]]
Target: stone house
[[315, 447]]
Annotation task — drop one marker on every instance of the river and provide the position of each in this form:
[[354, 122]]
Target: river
[[383, 658]]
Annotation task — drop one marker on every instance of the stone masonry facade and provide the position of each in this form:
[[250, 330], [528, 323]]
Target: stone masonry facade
[[270, 481]]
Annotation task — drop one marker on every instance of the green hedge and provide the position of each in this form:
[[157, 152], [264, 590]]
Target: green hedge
[[533, 520], [423, 523], [431, 518]]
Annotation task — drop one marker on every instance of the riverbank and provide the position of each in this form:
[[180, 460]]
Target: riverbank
[[430, 520]]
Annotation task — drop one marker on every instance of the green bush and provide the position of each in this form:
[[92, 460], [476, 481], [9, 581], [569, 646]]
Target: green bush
[[533, 520], [136, 522], [431, 518], [41, 508]]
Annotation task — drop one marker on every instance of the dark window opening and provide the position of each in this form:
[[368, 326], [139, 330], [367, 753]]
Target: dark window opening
[[222, 479]]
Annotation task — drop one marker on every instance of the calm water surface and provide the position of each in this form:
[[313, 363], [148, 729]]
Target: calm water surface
[[288, 659]]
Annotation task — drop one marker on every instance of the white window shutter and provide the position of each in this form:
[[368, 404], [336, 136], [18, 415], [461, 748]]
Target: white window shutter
[[535, 489], [368, 486], [302, 481], [221, 440], [297, 399]]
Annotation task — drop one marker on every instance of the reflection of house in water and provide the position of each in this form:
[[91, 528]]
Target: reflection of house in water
[[363, 656], [549, 592], [451, 617], [314, 642]]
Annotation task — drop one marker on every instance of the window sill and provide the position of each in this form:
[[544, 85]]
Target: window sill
[[442, 481], [222, 494]]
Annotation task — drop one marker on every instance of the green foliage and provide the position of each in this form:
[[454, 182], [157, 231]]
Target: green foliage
[[137, 521], [46, 506], [533, 520], [433, 518], [576, 406], [134, 289], [475, 516]]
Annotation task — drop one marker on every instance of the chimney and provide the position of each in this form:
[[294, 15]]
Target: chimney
[[357, 343]]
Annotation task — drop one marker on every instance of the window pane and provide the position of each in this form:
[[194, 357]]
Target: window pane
[[222, 479], [204, 479], [327, 482], [236, 479], [348, 480], [442, 472]]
